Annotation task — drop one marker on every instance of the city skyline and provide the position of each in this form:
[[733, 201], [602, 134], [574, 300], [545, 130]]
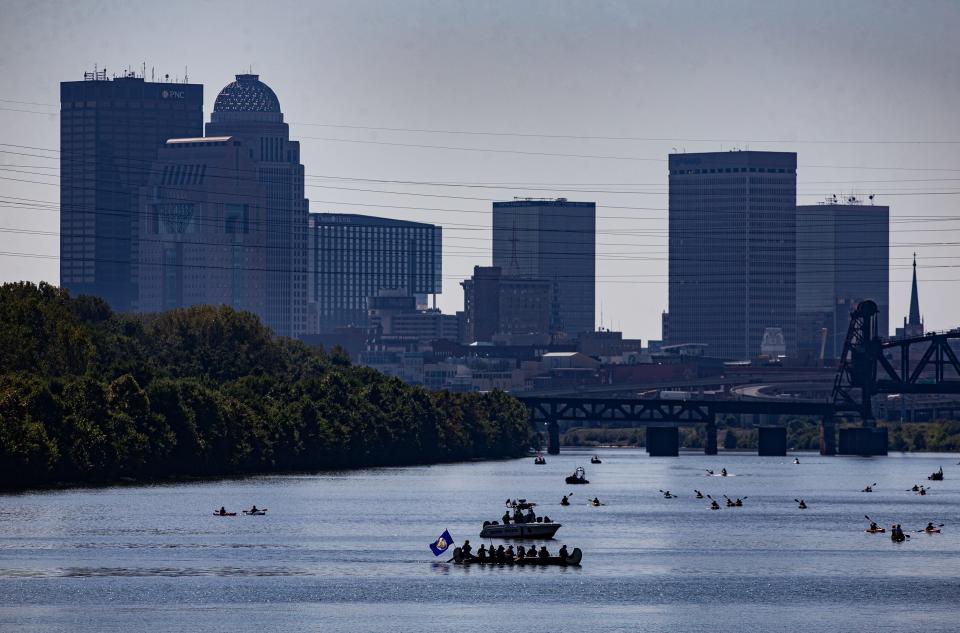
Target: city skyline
[[653, 87]]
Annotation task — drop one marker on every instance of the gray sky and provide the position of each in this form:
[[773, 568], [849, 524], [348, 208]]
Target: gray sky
[[703, 76]]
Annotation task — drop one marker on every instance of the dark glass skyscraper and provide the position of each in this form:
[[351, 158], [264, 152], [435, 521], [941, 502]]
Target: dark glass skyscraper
[[247, 110], [110, 131], [842, 259], [354, 257], [553, 240], [732, 250], [204, 238]]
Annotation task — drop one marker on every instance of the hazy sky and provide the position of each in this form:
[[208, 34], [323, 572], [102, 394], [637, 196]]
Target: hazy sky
[[808, 77]]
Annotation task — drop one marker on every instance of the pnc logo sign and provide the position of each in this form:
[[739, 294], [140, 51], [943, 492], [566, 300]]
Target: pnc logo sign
[[172, 94]]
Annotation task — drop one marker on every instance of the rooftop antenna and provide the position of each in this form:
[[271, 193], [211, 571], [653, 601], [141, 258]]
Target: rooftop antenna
[[186, 77]]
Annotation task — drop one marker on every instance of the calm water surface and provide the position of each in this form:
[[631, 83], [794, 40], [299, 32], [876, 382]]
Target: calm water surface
[[348, 551]]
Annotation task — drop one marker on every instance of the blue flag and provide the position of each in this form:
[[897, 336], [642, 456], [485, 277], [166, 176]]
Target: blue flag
[[440, 545]]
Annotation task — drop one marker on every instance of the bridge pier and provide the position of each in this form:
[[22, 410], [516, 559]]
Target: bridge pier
[[828, 436], [864, 441], [553, 438], [663, 441], [710, 441], [772, 441]]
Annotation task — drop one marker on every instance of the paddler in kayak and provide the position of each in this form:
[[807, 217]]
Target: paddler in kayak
[[466, 549], [802, 504], [563, 552], [482, 553], [796, 460], [699, 494], [931, 528], [915, 488], [896, 533], [564, 501], [874, 527], [595, 501], [223, 511], [714, 505], [723, 472]]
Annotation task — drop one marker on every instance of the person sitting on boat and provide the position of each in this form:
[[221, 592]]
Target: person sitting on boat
[[739, 502], [796, 460], [595, 501], [254, 509], [531, 516], [803, 505], [714, 505], [563, 552], [923, 491], [482, 553], [915, 488], [899, 532], [874, 527], [543, 554], [517, 516], [532, 552], [546, 519], [521, 551], [723, 472], [699, 494], [223, 511], [509, 555], [564, 501], [930, 528], [501, 554], [506, 518], [466, 548]]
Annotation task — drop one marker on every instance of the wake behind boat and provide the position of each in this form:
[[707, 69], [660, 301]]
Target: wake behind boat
[[524, 524]]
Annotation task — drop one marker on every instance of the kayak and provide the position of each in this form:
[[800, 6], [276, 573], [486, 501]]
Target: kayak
[[225, 514], [572, 560], [258, 513], [877, 531], [934, 531]]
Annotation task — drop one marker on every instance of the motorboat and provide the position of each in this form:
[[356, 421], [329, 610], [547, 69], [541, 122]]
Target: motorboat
[[937, 476], [571, 560], [522, 526], [578, 477]]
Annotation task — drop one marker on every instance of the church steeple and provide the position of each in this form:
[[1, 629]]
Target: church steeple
[[914, 319]]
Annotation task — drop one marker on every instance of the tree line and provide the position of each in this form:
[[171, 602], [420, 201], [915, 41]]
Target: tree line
[[89, 395]]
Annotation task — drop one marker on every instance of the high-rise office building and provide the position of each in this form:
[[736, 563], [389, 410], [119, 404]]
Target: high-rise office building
[[506, 308], [554, 240], [204, 237], [247, 110], [842, 259], [353, 257], [732, 250], [110, 131]]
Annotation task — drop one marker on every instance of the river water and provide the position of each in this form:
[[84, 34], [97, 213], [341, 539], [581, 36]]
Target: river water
[[349, 551]]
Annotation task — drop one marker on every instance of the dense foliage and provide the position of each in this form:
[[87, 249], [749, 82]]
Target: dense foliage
[[89, 395]]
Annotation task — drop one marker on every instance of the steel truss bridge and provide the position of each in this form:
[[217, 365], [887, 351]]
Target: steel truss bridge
[[869, 366]]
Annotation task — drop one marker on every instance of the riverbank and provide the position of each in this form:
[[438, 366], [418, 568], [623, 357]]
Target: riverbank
[[940, 436], [93, 397]]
